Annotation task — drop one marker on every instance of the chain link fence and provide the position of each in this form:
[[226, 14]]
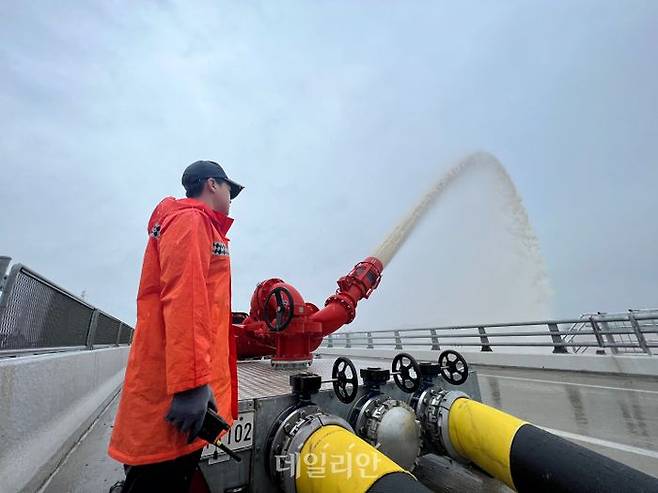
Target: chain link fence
[[37, 316]]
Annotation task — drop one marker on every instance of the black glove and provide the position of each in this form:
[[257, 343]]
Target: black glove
[[188, 408]]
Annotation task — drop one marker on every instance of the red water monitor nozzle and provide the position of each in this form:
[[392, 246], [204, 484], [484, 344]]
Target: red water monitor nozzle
[[282, 325]]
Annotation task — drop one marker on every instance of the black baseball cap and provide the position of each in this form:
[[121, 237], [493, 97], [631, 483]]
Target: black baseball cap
[[202, 170]]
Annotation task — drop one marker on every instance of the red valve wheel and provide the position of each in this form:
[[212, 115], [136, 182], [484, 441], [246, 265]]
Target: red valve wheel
[[285, 309]]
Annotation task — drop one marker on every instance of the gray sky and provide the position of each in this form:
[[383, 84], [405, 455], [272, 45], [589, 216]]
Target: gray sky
[[337, 116]]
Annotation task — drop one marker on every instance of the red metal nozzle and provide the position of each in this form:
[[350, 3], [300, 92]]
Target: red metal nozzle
[[340, 308]]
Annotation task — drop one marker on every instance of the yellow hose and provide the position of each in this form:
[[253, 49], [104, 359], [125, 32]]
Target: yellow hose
[[484, 435], [334, 460]]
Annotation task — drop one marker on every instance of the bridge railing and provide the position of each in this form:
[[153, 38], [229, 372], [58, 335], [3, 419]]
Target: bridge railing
[[37, 315], [627, 324], [635, 331]]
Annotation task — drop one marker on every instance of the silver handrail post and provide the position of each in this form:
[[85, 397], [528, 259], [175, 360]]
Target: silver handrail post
[[435, 340], [484, 340], [638, 333], [118, 339], [559, 347], [7, 282], [597, 333], [4, 265], [370, 345], [398, 339], [91, 330], [609, 337]]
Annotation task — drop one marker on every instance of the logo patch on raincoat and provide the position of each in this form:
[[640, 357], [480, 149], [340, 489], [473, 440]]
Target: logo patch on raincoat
[[219, 248], [155, 231]]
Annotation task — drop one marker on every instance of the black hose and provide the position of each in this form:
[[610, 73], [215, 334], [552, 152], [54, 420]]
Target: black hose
[[398, 482], [543, 462]]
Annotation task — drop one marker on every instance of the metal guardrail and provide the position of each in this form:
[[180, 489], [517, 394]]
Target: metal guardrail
[[628, 326], [38, 316], [635, 331]]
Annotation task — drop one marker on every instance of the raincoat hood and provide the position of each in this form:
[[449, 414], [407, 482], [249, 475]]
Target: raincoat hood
[[170, 206]]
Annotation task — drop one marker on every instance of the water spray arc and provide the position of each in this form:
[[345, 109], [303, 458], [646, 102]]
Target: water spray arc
[[394, 241], [281, 324]]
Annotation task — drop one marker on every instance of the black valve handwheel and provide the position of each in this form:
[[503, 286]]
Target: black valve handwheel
[[406, 372], [454, 369], [285, 309], [343, 375]]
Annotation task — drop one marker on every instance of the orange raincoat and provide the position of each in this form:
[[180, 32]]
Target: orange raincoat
[[183, 337]]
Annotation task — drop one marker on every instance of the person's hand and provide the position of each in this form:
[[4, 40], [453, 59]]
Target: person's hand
[[188, 409]]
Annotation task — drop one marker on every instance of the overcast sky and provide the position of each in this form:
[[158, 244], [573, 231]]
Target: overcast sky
[[336, 116]]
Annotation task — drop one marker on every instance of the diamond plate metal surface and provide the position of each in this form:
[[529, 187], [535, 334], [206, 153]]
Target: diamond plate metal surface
[[258, 379]]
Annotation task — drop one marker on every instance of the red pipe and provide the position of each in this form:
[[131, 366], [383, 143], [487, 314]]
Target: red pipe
[[308, 324], [340, 308]]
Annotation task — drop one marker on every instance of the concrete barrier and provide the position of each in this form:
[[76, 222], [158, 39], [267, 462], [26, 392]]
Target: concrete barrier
[[619, 365], [47, 402]]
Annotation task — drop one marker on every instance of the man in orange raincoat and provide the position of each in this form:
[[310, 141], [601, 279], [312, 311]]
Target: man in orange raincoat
[[182, 359]]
